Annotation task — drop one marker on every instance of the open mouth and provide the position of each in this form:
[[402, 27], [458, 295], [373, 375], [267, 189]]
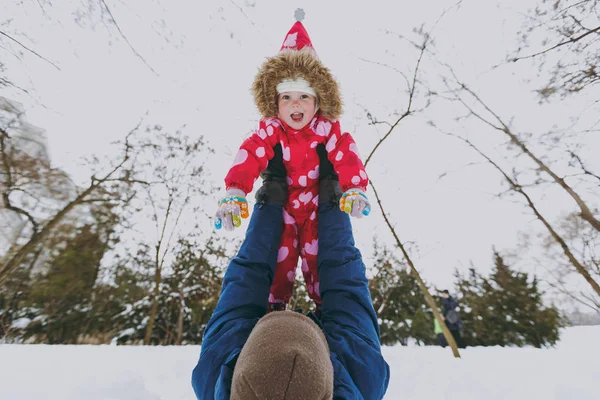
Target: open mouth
[[297, 117]]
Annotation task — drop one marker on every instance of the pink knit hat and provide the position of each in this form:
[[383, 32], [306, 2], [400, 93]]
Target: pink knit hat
[[297, 39], [297, 68]]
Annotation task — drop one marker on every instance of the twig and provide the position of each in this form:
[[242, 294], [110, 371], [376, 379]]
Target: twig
[[242, 11], [390, 67], [9, 183], [586, 171], [114, 21], [9, 83], [586, 212], [30, 50], [519, 189], [569, 41], [411, 88], [408, 108]]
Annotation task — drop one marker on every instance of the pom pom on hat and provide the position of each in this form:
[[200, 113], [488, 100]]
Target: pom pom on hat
[[299, 14]]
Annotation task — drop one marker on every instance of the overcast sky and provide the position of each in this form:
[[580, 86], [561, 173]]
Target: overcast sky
[[192, 64]]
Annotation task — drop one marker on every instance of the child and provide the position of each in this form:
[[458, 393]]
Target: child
[[300, 103]]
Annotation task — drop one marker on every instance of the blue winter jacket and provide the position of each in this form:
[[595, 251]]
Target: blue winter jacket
[[348, 319], [450, 304]]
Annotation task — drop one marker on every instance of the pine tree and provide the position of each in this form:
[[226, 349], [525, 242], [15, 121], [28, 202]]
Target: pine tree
[[193, 289], [398, 302], [63, 296], [188, 295], [300, 298], [506, 309]]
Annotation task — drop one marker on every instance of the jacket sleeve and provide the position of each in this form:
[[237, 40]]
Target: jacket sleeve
[[253, 156], [343, 154], [243, 301], [347, 313]]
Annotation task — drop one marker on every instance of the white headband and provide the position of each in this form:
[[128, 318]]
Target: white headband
[[295, 85]]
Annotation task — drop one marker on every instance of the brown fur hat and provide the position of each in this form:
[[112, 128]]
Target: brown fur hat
[[286, 356], [292, 64]]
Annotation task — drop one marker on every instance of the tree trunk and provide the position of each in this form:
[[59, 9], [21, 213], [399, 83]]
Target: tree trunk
[[154, 309], [180, 319], [428, 297]]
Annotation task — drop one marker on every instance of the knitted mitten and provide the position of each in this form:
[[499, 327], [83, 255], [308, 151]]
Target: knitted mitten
[[355, 203], [231, 209]]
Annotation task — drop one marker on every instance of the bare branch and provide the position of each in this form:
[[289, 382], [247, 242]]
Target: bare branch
[[582, 166], [564, 291], [114, 21], [408, 108], [128, 180], [519, 189], [243, 13], [390, 67], [563, 43], [411, 87], [9, 83], [7, 170], [586, 212], [30, 50], [15, 259], [592, 300]]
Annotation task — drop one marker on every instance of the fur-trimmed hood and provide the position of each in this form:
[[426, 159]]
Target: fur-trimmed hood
[[292, 64]]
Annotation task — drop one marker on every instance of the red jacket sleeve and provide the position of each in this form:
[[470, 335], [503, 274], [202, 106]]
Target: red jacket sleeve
[[253, 156], [343, 154]]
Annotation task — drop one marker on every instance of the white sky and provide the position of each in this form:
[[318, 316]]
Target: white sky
[[206, 54]]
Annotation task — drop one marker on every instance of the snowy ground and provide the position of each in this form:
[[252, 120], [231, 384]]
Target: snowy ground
[[569, 371]]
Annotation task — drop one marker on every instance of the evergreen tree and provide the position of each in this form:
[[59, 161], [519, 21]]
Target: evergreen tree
[[13, 295], [57, 280], [398, 302], [300, 298], [193, 290], [506, 309], [188, 294], [62, 297]]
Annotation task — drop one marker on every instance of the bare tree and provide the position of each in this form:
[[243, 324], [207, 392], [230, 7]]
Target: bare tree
[[20, 173], [413, 86], [497, 123], [564, 35], [584, 242], [175, 164], [518, 188], [461, 93]]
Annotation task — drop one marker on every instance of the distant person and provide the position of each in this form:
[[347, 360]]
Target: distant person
[[452, 318], [439, 333]]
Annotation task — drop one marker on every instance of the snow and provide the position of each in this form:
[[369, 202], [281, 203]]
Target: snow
[[21, 323], [568, 371]]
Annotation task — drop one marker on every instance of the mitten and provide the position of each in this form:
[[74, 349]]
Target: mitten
[[231, 209], [355, 203]]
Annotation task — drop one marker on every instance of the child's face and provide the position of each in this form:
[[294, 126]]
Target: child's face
[[296, 109]]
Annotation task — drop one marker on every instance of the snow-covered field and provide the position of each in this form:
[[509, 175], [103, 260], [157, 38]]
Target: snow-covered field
[[569, 371]]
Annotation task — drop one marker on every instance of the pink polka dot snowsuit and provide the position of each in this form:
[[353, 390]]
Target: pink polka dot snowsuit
[[301, 160]]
